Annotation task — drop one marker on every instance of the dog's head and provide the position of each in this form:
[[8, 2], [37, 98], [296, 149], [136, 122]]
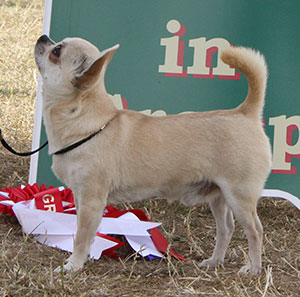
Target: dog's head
[[71, 65]]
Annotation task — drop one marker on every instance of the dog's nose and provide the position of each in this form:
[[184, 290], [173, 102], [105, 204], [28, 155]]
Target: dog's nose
[[45, 39]]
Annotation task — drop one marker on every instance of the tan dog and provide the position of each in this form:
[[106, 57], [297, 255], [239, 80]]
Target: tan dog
[[221, 157]]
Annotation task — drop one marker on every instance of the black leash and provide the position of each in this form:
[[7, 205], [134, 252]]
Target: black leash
[[59, 152], [26, 154]]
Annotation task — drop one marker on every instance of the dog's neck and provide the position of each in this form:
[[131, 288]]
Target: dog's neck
[[69, 120]]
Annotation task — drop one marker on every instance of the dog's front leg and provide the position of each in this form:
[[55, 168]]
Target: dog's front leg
[[90, 208]]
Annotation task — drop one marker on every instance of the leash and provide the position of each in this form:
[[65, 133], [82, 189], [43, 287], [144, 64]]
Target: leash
[[59, 152], [26, 154]]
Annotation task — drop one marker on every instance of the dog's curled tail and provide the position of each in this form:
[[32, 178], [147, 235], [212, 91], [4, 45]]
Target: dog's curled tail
[[253, 65]]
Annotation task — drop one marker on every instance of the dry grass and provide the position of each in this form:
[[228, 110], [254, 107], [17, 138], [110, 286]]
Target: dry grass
[[26, 266], [20, 26]]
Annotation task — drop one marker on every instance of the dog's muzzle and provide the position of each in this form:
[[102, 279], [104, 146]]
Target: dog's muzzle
[[42, 43], [40, 48]]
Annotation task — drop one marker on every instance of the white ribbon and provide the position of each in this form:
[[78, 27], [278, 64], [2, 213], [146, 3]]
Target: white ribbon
[[58, 230]]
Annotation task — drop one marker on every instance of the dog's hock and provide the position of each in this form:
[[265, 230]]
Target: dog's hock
[[95, 70]]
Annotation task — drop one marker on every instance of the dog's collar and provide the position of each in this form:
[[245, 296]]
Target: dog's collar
[[82, 141]]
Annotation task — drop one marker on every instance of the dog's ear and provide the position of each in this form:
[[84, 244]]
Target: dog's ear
[[95, 70]]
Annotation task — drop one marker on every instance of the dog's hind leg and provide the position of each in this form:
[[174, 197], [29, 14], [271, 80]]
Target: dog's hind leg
[[254, 233], [225, 227], [91, 204], [243, 203]]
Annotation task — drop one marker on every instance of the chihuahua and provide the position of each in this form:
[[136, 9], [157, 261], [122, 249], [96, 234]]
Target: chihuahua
[[220, 157]]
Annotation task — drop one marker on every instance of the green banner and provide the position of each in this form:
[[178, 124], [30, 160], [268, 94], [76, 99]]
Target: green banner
[[168, 62]]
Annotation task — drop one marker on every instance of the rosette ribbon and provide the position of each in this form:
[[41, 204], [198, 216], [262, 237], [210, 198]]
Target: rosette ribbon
[[50, 215]]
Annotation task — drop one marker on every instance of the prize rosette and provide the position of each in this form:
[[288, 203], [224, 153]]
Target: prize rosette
[[50, 215]]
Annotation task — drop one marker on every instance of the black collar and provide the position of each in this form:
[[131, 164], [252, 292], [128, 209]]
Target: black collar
[[80, 142]]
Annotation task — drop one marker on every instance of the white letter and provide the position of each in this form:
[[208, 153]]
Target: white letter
[[280, 145], [172, 49], [201, 62]]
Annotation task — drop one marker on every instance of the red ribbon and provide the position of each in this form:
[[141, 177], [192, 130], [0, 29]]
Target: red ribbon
[[20, 194], [50, 200]]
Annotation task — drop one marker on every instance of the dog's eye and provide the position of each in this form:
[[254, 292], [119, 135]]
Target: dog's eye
[[56, 51]]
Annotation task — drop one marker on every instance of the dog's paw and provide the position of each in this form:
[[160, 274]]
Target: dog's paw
[[254, 270], [72, 265], [210, 263]]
